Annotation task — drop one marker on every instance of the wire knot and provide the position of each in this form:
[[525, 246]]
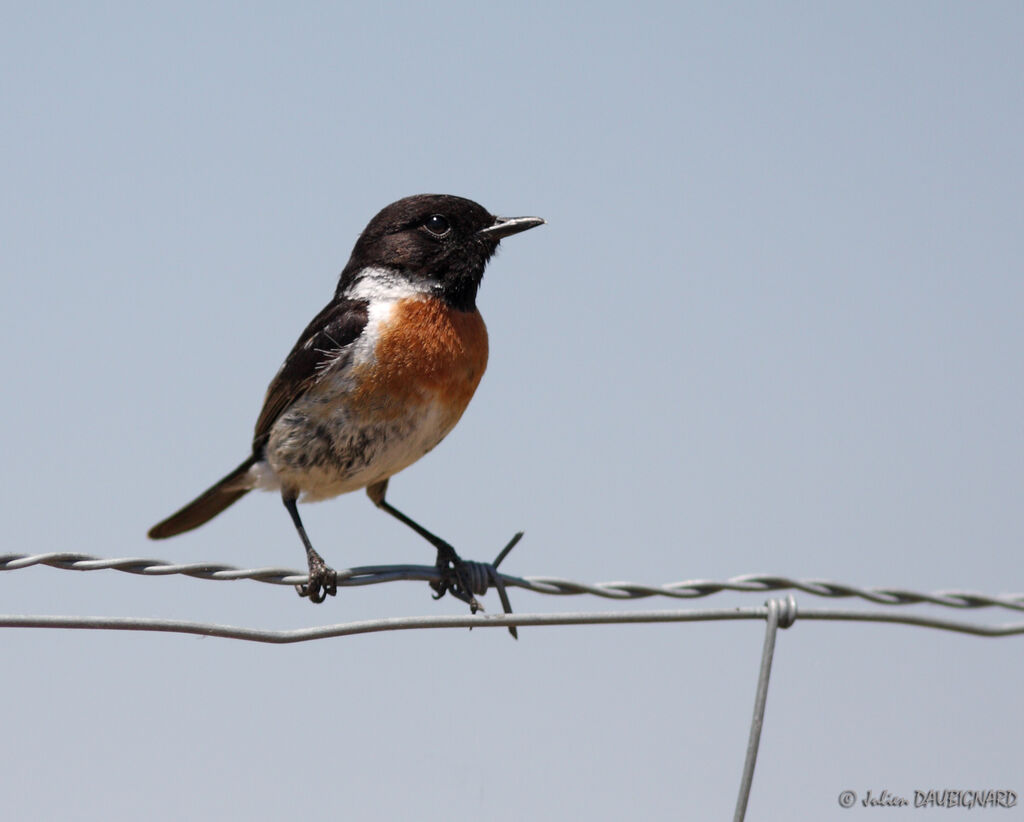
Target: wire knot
[[473, 578], [478, 575], [784, 610]]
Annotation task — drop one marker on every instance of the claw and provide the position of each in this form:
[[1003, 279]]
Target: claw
[[323, 582], [453, 581]]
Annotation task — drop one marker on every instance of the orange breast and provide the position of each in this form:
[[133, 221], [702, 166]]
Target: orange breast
[[426, 352]]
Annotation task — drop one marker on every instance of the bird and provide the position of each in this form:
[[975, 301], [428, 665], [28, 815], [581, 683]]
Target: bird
[[377, 379]]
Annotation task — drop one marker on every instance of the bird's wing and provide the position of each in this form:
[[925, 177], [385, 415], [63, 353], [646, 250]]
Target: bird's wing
[[329, 336]]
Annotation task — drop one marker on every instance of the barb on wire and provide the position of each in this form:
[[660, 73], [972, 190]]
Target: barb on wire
[[374, 574]]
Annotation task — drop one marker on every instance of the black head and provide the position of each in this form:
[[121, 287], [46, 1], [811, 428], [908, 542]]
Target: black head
[[441, 241]]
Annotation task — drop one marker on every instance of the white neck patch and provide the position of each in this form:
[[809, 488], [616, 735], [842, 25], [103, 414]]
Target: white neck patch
[[373, 283]]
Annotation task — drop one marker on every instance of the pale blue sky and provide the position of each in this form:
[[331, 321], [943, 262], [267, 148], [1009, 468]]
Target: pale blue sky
[[774, 324]]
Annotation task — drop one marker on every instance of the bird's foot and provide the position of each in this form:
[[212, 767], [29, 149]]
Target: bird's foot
[[323, 580], [457, 578], [464, 579]]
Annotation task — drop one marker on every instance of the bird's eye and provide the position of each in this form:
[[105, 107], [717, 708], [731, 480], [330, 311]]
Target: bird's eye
[[438, 225]]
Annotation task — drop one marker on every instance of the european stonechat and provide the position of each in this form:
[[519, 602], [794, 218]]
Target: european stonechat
[[378, 378]]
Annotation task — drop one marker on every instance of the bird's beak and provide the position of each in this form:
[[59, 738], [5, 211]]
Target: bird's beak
[[506, 226]]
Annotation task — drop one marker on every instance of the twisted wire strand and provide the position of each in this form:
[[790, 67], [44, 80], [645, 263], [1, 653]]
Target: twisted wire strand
[[375, 574]]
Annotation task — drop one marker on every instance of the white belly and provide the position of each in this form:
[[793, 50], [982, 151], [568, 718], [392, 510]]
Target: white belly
[[322, 455]]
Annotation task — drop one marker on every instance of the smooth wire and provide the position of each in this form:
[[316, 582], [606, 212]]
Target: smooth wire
[[286, 637], [780, 613], [776, 613]]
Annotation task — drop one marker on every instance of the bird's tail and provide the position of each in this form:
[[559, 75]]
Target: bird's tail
[[207, 505]]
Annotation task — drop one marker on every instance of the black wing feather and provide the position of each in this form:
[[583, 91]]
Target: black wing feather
[[327, 337]]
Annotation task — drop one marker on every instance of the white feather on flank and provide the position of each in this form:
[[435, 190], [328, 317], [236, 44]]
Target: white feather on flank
[[263, 477]]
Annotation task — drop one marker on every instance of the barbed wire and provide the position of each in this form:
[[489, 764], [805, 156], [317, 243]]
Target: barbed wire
[[776, 613], [488, 573]]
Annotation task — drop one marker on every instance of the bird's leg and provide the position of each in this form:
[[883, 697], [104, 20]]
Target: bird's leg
[[451, 565], [323, 580]]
